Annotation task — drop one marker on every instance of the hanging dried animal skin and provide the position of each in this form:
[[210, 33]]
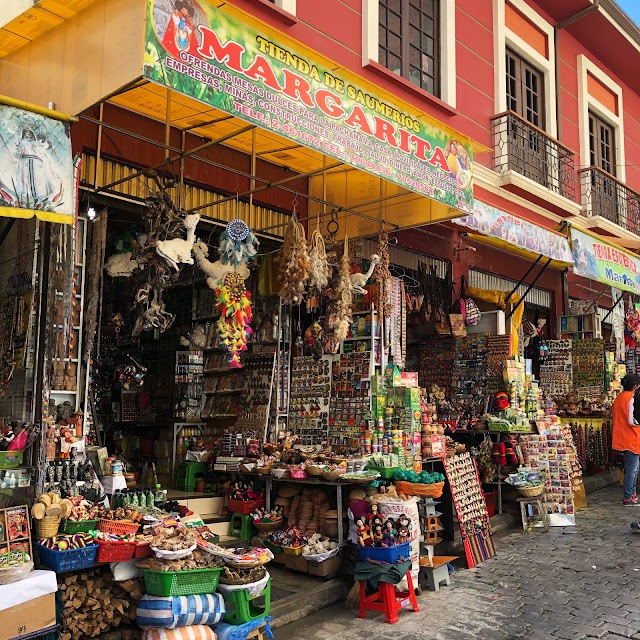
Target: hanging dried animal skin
[[294, 264], [319, 269], [234, 303], [383, 276], [340, 314]]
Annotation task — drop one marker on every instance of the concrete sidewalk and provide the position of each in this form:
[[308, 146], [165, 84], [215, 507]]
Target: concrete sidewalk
[[578, 582]]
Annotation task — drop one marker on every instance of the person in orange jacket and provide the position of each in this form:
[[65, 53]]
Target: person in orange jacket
[[626, 436]]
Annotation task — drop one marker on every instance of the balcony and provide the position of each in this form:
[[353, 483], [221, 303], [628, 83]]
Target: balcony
[[605, 196], [523, 149]]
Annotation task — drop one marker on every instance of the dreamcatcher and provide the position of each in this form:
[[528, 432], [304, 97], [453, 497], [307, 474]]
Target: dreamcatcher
[[238, 244], [234, 303]]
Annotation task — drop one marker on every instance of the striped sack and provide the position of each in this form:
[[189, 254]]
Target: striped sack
[[192, 632], [179, 611]]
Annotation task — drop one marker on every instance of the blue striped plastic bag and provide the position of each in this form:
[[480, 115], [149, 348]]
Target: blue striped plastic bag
[[180, 611]]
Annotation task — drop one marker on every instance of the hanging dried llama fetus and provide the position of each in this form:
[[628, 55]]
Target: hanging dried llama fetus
[[319, 270], [294, 265], [341, 307], [383, 276]]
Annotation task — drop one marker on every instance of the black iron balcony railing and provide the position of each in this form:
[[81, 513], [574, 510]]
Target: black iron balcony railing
[[524, 148], [604, 195]]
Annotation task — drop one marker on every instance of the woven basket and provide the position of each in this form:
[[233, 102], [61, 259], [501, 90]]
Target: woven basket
[[333, 476], [48, 526], [418, 489], [531, 492], [264, 471], [268, 527], [315, 470]]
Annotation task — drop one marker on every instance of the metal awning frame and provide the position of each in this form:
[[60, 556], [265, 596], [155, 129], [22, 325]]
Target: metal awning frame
[[331, 208]]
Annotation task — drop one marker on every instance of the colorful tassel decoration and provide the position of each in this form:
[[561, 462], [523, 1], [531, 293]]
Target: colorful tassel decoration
[[234, 303]]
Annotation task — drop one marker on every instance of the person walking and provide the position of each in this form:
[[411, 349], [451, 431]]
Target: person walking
[[626, 436]]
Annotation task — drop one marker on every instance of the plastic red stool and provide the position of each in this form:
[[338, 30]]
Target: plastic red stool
[[388, 600]]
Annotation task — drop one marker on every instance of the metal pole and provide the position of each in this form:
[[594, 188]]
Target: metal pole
[[185, 154], [547, 263], [167, 125], [252, 182], [98, 174], [522, 279]]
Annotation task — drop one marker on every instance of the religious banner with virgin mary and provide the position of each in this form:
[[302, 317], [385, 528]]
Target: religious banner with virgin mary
[[36, 164]]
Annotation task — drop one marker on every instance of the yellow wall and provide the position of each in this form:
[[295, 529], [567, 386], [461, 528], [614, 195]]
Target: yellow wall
[[87, 57]]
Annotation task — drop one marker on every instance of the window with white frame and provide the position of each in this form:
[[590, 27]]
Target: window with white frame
[[409, 41], [405, 37]]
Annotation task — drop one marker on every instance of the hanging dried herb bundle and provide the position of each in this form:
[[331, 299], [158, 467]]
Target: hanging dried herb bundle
[[319, 270], [340, 314], [294, 264], [383, 275]]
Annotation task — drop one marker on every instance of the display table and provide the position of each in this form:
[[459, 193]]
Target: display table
[[269, 480]]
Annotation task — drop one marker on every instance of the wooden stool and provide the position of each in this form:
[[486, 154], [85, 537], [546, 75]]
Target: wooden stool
[[260, 633], [540, 505], [436, 570], [388, 600]]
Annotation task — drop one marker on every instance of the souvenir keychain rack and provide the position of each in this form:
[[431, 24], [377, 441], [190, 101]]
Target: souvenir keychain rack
[[471, 508]]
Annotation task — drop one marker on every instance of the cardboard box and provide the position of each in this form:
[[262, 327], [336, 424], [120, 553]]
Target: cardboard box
[[296, 563], [28, 617], [326, 568]]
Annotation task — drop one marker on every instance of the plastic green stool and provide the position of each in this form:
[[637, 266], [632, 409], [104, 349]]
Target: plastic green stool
[[245, 528], [188, 473], [244, 610]]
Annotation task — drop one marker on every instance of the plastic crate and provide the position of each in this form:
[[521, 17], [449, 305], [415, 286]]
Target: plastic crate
[[386, 554], [385, 472], [118, 527], [69, 560], [115, 551], [10, 459], [181, 583], [142, 551], [78, 526], [244, 506]]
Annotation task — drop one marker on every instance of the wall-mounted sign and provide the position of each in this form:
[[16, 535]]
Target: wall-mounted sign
[[501, 225], [599, 260], [36, 165], [258, 74]]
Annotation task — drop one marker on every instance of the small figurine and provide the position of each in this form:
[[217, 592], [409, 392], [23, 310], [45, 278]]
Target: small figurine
[[9, 436], [403, 534], [390, 534], [364, 533], [375, 521], [403, 521], [378, 535]]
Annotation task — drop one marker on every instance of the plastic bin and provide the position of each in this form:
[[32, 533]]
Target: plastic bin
[[244, 506], [385, 472], [78, 526], [115, 551], [69, 560], [118, 527], [386, 554], [142, 551], [181, 583]]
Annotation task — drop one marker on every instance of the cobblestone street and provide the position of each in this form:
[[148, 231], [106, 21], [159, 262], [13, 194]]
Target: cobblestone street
[[575, 583]]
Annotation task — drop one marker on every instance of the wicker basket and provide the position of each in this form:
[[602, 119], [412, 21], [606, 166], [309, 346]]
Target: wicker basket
[[333, 476], [418, 489], [48, 526], [531, 492], [264, 471], [315, 470], [268, 527]]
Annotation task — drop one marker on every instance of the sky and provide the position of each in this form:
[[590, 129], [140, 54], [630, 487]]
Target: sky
[[632, 8]]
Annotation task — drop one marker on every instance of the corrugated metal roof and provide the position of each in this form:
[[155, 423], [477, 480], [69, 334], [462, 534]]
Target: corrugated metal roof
[[483, 280], [403, 257]]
